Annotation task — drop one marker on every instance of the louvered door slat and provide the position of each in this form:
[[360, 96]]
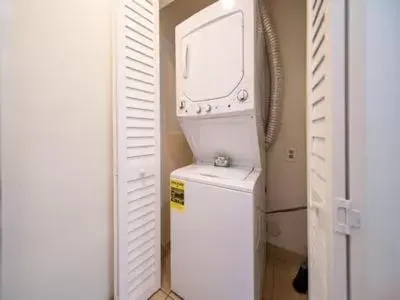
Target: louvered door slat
[[136, 34], [139, 141], [135, 77], [139, 95], [136, 65], [326, 144], [138, 46], [138, 150], [134, 105], [147, 5], [142, 57], [137, 84], [142, 10]]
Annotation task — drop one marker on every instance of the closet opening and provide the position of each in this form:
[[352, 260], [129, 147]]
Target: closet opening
[[284, 163]]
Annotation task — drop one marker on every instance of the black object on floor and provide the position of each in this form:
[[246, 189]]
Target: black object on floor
[[300, 282]]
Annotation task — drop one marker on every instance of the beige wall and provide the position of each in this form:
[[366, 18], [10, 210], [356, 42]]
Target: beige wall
[[286, 179], [56, 144], [175, 150]]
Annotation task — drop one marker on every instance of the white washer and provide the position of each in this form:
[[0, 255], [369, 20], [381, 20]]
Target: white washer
[[217, 233]]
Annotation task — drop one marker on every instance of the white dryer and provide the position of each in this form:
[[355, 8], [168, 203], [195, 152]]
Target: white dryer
[[220, 83], [217, 233]]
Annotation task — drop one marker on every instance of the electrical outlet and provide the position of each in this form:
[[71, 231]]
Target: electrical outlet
[[291, 154]]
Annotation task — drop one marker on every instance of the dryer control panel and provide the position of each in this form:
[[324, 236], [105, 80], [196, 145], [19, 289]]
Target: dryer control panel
[[240, 100]]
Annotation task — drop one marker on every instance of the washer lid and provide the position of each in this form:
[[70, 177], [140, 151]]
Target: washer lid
[[243, 179], [218, 172]]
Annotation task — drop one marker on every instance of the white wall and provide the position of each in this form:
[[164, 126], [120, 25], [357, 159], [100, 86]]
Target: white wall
[[288, 230], [375, 147], [286, 180], [56, 144]]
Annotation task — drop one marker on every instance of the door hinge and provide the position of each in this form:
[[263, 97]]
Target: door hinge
[[346, 217]]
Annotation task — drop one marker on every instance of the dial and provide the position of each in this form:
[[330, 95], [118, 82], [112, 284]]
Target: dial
[[242, 95]]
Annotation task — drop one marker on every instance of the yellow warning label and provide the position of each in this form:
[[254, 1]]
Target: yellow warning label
[[177, 194]]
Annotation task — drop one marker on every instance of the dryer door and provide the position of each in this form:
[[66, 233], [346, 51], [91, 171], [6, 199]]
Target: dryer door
[[209, 54]]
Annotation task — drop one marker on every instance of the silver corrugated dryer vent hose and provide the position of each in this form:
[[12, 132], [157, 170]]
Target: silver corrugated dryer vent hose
[[273, 105]]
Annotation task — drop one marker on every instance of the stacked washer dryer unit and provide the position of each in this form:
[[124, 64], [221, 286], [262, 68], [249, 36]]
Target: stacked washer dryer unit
[[217, 225]]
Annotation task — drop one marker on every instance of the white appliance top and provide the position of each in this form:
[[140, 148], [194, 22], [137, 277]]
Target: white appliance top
[[217, 172], [241, 179]]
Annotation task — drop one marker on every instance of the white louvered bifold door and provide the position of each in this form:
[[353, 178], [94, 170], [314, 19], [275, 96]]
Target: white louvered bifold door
[[326, 147], [138, 149]]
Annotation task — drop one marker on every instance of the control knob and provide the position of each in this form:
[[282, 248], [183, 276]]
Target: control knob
[[242, 95]]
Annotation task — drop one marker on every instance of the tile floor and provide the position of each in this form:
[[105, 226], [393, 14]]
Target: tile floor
[[161, 295], [282, 266]]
